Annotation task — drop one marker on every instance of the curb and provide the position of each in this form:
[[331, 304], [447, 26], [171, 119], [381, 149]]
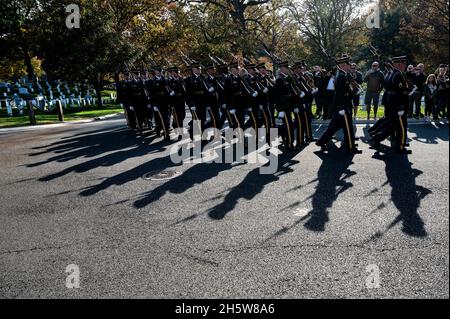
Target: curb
[[7, 130]]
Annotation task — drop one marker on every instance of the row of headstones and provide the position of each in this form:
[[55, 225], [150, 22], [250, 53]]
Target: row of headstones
[[61, 90], [48, 105]]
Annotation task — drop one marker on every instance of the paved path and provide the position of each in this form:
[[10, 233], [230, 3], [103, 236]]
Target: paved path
[[74, 194]]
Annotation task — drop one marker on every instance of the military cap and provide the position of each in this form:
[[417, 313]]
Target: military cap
[[261, 66], [173, 69], [157, 68], [299, 64], [210, 66], [250, 66], [233, 64], [399, 59], [283, 64], [344, 59]]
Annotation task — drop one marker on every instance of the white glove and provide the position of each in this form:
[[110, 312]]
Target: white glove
[[315, 90], [193, 109], [211, 90], [401, 113], [131, 108], [266, 90], [156, 109], [224, 106], [249, 109], [281, 115], [172, 93], [255, 94], [261, 108], [296, 110], [302, 95], [149, 106], [233, 111], [342, 112]]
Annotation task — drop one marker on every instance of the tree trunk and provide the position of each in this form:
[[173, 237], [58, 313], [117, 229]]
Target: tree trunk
[[98, 90]]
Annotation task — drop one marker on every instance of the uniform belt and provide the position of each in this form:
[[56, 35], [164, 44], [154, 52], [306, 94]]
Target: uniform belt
[[197, 93], [159, 94]]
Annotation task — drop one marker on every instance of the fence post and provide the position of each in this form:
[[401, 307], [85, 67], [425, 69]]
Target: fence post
[[59, 110], [31, 114]]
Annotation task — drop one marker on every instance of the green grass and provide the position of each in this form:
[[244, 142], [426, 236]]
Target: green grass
[[69, 115]]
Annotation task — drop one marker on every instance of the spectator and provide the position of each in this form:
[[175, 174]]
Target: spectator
[[430, 98], [375, 82], [419, 81], [410, 73], [442, 83], [355, 95]]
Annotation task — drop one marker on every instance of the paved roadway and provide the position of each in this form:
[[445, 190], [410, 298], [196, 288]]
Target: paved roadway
[[74, 194]]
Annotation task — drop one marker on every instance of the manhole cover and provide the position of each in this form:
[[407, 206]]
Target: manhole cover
[[161, 175]]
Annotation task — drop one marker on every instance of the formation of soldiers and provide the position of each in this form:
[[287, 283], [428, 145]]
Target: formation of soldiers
[[251, 97]]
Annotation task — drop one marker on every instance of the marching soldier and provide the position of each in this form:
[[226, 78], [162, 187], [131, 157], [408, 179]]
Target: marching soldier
[[235, 96], [177, 99], [139, 100], [266, 98], [221, 80], [123, 97], [284, 102], [157, 88], [342, 117], [303, 121], [197, 92], [252, 101], [398, 98], [212, 98]]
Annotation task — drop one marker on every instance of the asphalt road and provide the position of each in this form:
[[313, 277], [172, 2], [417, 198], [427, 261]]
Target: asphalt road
[[75, 194]]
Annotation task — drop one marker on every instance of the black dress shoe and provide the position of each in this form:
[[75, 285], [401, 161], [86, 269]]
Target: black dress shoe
[[404, 151], [355, 151]]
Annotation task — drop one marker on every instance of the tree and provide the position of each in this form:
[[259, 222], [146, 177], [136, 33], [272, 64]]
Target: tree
[[17, 32], [325, 23]]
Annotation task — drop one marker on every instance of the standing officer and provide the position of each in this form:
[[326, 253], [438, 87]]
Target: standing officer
[[342, 115], [284, 97], [398, 99]]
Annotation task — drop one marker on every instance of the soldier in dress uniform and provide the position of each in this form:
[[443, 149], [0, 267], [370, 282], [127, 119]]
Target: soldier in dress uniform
[[197, 92], [303, 121], [267, 96], [177, 98], [157, 89], [139, 100], [342, 114], [124, 98], [221, 80], [396, 123], [252, 97], [235, 96], [212, 98], [284, 102]]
